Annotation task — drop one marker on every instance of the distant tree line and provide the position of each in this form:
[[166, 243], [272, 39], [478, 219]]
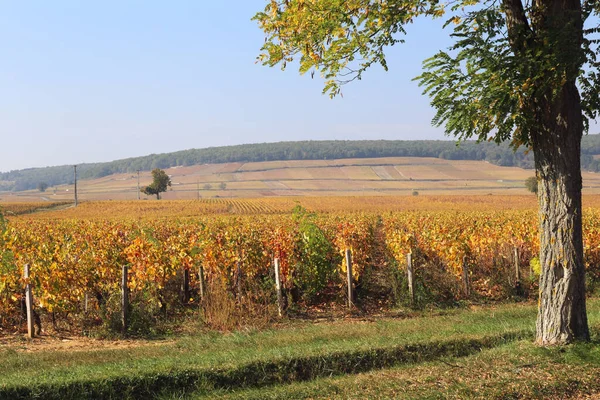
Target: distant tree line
[[501, 155]]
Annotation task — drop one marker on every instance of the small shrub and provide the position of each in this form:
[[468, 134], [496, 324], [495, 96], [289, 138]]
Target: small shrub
[[536, 267], [316, 267], [255, 308], [531, 184], [219, 308]]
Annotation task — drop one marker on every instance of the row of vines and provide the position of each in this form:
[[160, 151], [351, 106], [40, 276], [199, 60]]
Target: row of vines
[[76, 264]]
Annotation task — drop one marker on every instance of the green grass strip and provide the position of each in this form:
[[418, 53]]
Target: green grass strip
[[517, 370], [257, 374]]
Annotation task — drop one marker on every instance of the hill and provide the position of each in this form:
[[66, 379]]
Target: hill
[[500, 155], [358, 176]]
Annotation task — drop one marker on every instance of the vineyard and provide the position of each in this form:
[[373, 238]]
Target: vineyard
[[76, 263], [120, 210], [31, 207]]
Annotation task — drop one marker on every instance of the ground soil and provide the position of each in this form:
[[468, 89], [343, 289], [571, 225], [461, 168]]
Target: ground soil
[[56, 342]]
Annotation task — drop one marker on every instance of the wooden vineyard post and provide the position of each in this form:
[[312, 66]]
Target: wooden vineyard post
[[28, 303], [410, 276], [185, 287], [349, 270], [465, 276], [517, 270], [518, 288], [278, 287], [239, 280], [201, 282], [124, 302]]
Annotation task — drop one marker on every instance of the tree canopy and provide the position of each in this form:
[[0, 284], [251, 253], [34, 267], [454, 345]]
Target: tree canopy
[[160, 182], [42, 186], [531, 184], [506, 54]]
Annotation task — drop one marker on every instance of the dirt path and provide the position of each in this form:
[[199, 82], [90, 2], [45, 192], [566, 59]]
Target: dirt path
[[19, 342]]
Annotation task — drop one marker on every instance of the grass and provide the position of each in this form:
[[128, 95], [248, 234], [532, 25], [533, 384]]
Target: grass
[[517, 370], [296, 360]]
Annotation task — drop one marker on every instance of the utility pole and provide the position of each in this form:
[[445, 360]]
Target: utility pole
[[75, 178], [198, 187], [138, 171]]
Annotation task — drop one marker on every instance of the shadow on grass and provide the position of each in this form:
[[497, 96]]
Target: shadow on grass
[[260, 373]]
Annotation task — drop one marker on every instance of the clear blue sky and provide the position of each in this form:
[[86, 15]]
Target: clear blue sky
[[97, 81]]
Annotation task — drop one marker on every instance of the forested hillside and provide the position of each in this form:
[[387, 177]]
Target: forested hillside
[[501, 155]]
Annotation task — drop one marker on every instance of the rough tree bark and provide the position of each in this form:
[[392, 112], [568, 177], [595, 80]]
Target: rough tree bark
[[562, 315], [556, 30]]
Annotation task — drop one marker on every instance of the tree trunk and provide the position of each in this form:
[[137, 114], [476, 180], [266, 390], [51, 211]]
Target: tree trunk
[[562, 314]]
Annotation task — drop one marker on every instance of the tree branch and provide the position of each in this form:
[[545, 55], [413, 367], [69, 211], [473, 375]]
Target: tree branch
[[517, 24]]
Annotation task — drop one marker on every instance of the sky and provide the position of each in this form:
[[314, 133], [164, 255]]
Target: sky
[[98, 81]]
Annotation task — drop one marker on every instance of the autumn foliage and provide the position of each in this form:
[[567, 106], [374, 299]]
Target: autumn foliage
[[74, 261]]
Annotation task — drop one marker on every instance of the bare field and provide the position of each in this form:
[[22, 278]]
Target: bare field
[[364, 176]]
